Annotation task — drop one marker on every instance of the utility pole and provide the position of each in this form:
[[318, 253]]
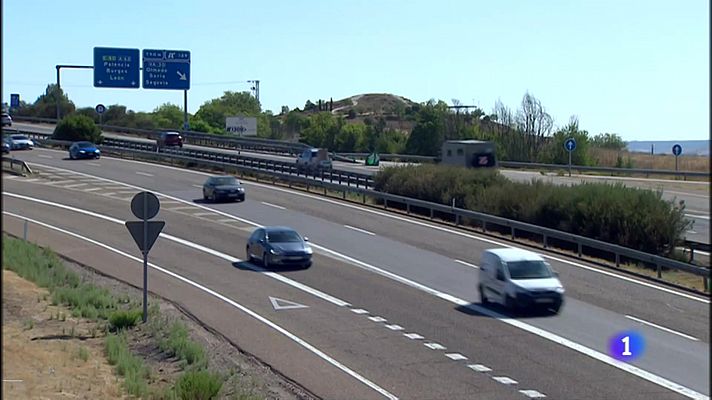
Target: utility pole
[[256, 88]]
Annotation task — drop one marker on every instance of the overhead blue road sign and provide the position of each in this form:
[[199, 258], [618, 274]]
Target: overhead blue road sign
[[14, 100], [570, 144], [116, 68], [166, 69], [676, 150]]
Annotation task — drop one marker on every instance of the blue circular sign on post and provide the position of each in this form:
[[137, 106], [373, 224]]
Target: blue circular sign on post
[[570, 144], [676, 150], [100, 108]]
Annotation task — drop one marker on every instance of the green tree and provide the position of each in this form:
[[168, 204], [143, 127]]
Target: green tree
[[168, 116], [608, 141], [228, 105], [321, 130], [77, 127], [554, 151], [429, 132], [351, 138], [46, 105]]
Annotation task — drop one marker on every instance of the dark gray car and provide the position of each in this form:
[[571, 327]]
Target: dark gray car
[[223, 187], [278, 245]]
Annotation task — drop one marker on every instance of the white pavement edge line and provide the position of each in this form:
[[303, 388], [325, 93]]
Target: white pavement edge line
[[213, 252], [387, 215], [233, 303], [353, 228], [529, 328], [143, 173], [662, 328], [698, 216]]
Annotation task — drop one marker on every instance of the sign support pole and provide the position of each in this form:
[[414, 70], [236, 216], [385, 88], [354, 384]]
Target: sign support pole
[[569, 163], [185, 110], [145, 261]]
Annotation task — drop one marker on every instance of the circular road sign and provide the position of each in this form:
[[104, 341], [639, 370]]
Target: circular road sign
[[100, 108], [676, 150], [145, 205], [570, 144]]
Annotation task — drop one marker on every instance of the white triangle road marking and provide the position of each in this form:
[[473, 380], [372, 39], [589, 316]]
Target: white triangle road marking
[[281, 304]]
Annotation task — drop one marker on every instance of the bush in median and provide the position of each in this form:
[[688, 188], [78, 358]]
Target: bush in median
[[76, 128], [635, 218]]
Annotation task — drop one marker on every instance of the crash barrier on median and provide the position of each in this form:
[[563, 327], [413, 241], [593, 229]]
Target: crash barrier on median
[[202, 138], [16, 165], [486, 223]]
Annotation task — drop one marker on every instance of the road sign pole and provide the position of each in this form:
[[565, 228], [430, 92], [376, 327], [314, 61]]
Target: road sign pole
[[145, 261], [185, 110], [57, 96], [676, 163], [569, 163]]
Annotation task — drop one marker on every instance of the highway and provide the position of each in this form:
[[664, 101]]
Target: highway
[[695, 194], [377, 277]]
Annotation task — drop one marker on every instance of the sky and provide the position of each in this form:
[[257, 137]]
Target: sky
[[638, 68]]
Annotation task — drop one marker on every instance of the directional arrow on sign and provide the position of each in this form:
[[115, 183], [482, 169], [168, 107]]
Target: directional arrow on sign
[[182, 76], [281, 304]]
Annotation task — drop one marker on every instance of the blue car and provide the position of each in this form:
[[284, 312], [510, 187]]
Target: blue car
[[83, 150], [279, 245]]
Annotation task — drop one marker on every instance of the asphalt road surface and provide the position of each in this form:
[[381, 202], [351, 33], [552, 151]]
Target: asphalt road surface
[[398, 275], [695, 194]]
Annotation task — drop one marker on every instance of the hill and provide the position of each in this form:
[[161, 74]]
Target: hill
[[373, 104]]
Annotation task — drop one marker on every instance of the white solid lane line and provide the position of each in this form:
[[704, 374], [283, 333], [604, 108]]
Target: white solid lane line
[[698, 216], [662, 328], [273, 205], [467, 264], [227, 300], [143, 173], [395, 217], [44, 156], [197, 186], [359, 230]]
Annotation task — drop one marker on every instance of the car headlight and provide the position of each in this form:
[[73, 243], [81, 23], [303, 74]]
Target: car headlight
[[308, 250], [274, 252], [559, 290], [82, 151], [241, 190]]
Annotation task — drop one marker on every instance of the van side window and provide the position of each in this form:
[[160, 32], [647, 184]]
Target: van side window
[[500, 272]]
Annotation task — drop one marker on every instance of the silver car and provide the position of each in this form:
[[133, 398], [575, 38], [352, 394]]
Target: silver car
[[278, 245], [6, 119]]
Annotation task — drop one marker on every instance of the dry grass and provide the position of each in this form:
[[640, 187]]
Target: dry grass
[[609, 158], [677, 277]]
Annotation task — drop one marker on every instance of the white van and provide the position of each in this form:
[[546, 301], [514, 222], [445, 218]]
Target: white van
[[519, 278]]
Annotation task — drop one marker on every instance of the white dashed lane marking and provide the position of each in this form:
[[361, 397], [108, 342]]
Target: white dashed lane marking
[[455, 356], [467, 264], [505, 380], [201, 214], [359, 311], [413, 336], [43, 156], [394, 327], [479, 368], [92, 189], [273, 205], [377, 319], [435, 346], [180, 208], [532, 394], [353, 228], [143, 173]]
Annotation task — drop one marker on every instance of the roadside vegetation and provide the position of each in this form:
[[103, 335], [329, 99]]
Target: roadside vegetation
[[385, 124], [634, 218], [117, 317]]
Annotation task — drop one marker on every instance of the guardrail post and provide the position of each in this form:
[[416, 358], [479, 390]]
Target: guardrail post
[[24, 232], [324, 190], [363, 198], [618, 260], [706, 283], [344, 194], [580, 249], [407, 208], [660, 271], [515, 236], [431, 213], [385, 202], [546, 241]]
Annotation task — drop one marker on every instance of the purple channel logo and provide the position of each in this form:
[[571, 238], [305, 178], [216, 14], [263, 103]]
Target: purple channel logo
[[626, 346]]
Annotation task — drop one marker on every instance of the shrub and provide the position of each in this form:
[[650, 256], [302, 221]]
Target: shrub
[[127, 365], [122, 319], [635, 218], [77, 127], [198, 385]]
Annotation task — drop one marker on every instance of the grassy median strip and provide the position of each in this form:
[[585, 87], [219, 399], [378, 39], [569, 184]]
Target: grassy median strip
[[116, 316]]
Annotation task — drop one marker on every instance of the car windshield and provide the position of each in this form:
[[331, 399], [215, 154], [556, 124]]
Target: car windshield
[[19, 137], [84, 145], [283, 237], [225, 180], [528, 270]]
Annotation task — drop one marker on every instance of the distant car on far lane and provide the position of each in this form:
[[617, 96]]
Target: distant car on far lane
[[21, 142], [223, 187], [6, 119], [278, 245], [5, 146], [170, 139], [83, 150]]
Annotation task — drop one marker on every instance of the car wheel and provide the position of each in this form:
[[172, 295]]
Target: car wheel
[[212, 197], [483, 296], [248, 256], [557, 307], [71, 156], [509, 303]]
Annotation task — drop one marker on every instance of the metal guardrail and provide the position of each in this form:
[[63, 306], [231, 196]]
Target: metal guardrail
[[684, 174], [618, 253], [20, 165]]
